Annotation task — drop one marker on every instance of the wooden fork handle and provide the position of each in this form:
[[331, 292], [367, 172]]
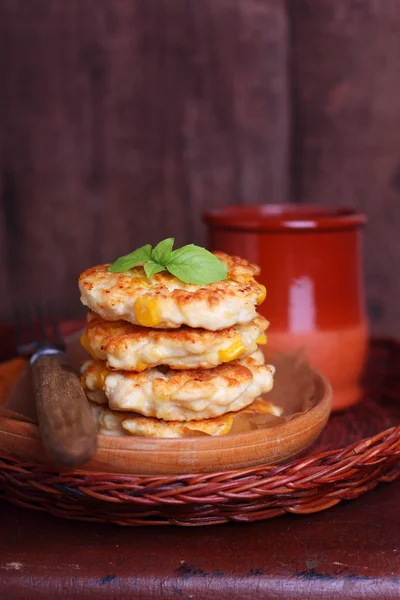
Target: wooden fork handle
[[66, 424]]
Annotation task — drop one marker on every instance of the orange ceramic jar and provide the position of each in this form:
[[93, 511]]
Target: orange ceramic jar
[[311, 265]]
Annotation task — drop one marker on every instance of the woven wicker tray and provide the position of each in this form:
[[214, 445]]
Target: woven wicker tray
[[358, 449]]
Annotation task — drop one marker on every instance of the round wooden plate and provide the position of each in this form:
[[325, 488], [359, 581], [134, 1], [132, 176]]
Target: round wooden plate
[[305, 395]]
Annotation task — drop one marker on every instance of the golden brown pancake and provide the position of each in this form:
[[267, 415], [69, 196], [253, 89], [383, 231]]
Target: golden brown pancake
[[165, 302], [128, 347], [111, 422], [181, 395]]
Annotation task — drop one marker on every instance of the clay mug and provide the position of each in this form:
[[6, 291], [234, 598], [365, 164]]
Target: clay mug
[[311, 265]]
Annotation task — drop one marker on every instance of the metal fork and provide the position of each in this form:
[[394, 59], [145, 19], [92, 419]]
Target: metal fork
[[66, 424]]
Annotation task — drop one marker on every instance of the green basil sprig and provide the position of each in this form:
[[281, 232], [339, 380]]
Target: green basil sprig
[[190, 264]]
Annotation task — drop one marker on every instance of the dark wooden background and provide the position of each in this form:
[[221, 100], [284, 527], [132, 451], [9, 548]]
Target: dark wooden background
[[121, 121]]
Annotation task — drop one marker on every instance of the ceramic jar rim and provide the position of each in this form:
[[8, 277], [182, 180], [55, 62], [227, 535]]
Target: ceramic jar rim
[[284, 217]]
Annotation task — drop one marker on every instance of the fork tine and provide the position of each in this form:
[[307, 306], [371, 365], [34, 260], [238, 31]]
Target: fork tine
[[54, 323], [19, 327], [36, 326], [24, 330], [41, 319], [29, 320]]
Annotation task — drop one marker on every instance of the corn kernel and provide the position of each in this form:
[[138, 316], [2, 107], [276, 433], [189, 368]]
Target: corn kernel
[[262, 339], [141, 281], [262, 295], [147, 312], [102, 377], [261, 405], [141, 366], [233, 351], [227, 426], [84, 342]]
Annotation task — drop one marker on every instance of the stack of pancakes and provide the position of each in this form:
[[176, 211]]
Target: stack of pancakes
[[170, 358]]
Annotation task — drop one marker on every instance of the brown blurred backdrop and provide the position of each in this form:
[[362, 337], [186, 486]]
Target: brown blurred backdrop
[[121, 121]]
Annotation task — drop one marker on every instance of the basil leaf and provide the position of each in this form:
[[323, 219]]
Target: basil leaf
[[192, 264], [151, 268], [162, 252], [124, 263]]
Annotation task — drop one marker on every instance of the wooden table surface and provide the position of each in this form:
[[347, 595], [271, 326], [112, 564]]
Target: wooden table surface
[[351, 551]]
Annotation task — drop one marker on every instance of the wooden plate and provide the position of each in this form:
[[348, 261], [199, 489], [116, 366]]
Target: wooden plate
[[305, 395]]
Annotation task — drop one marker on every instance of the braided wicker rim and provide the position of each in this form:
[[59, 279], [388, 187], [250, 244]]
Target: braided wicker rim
[[301, 486]]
